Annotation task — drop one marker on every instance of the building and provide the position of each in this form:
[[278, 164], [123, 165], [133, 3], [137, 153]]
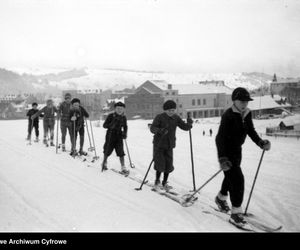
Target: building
[[205, 99], [289, 88], [266, 106]]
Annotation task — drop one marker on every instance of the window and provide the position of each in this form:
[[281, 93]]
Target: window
[[199, 102], [167, 93], [212, 113], [195, 114], [173, 93], [204, 101], [193, 102]]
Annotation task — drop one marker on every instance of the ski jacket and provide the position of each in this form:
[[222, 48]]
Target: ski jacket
[[80, 113], [30, 113], [234, 128], [48, 113], [114, 124], [162, 124], [64, 112]]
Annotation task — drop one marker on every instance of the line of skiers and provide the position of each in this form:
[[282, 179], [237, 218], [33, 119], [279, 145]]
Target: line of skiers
[[236, 124]]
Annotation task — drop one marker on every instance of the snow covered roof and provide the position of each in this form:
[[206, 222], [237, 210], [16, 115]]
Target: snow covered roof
[[162, 84], [264, 102], [184, 89]]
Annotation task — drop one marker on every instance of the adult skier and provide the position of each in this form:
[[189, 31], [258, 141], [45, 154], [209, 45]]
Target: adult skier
[[65, 122]]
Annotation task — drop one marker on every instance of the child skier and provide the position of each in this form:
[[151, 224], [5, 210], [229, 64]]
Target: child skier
[[33, 123], [49, 120], [236, 124], [164, 130], [65, 122], [116, 125], [77, 114]]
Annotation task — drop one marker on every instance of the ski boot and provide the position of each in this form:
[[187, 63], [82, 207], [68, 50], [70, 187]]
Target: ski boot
[[63, 147], [28, 138], [124, 171], [166, 187], [73, 153], [238, 220], [52, 144], [81, 152], [157, 186], [104, 166], [36, 139], [46, 142], [222, 205]]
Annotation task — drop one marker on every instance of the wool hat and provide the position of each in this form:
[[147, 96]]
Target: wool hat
[[169, 105], [120, 104], [34, 104], [67, 95], [241, 94], [75, 100]]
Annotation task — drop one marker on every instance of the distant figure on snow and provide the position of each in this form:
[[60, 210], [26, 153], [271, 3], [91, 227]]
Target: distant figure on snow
[[210, 132], [33, 123]]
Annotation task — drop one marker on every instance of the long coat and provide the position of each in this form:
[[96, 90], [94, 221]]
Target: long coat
[[170, 123]]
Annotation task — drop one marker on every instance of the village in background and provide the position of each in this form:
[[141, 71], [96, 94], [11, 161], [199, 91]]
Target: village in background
[[201, 95]]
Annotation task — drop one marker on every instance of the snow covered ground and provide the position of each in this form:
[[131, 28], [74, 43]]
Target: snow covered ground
[[44, 191]]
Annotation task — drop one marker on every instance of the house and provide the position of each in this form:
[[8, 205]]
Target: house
[[205, 99]]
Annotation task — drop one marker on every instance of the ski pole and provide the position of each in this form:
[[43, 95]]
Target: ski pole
[[87, 129], [131, 164], [192, 155], [57, 135], [190, 197], [140, 188], [92, 133], [74, 140], [262, 155]]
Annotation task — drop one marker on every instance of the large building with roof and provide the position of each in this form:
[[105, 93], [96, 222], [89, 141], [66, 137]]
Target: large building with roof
[[289, 88], [205, 99]]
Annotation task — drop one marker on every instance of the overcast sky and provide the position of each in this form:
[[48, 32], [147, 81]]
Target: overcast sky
[[167, 35]]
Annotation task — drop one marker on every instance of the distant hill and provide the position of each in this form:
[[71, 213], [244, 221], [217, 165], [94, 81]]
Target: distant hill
[[117, 79]]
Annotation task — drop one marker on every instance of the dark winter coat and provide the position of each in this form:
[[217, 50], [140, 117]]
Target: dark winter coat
[[164, 122], [30, 113], [116, 126], [80, 113], [232, 133], [64, 112], [49, 114]]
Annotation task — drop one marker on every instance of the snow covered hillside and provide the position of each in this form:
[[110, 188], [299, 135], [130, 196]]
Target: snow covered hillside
[[44, 191]]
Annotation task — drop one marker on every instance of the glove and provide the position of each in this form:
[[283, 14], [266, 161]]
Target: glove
[[124, 135], [225, 164], [265, 144], [73, 118], [189, 120]]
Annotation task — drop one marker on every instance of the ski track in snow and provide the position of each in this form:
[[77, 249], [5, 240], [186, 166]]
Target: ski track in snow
[[54, 192]]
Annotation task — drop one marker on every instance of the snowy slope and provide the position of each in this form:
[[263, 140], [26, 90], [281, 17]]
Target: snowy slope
[[42, 191]]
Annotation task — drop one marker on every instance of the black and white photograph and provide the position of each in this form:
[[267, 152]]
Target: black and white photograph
[[149, 116]]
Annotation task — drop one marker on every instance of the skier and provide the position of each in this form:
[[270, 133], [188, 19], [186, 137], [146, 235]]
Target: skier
[[49, 120], [77, 114], [236, 124], [210, 132], [65, 122], [116, 125], [203, 133], [33, 123], [164, 130]]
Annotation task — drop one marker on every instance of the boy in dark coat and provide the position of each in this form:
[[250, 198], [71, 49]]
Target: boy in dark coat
[[116, 125], [49, 120], [164, 130], [65, 122], [77, 114], [236, 124], [33, 123]]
